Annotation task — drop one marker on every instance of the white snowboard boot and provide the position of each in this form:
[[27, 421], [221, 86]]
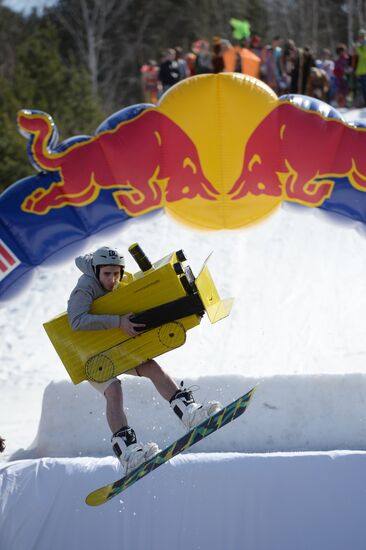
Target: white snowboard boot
[[130, 453], [190, 412]]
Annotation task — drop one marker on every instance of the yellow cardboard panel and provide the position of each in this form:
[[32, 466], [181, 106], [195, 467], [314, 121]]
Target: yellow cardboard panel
[[215, 307]]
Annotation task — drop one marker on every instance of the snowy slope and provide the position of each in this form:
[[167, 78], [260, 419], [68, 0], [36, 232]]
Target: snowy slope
[[300, 296], [215, 501], [287, 413]]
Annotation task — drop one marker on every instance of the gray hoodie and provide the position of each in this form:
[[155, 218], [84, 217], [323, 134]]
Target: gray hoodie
[[87, 290]]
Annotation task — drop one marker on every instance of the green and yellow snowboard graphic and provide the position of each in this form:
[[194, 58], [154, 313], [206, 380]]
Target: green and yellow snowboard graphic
[[207, 427]]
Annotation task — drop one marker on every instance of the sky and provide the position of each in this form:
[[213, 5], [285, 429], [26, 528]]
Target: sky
[[27, 5]]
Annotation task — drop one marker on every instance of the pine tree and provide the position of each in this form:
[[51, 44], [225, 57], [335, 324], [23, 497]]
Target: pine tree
[[42, 80]]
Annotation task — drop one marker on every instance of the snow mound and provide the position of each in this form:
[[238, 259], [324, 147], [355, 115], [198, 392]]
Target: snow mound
[[287, 413], [197, 501]]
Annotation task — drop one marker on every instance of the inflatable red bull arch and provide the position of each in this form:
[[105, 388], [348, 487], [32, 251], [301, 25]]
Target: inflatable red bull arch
[[218, 152]]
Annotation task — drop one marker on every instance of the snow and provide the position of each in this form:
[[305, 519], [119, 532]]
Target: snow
[[296, 330], [197, 501], [287, 413]]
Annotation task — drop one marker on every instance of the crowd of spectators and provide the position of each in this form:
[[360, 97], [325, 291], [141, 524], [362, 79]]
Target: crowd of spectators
[[338, 77]]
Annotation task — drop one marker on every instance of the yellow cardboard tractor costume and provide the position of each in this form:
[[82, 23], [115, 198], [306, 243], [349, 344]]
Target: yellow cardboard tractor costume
[[165, 296]]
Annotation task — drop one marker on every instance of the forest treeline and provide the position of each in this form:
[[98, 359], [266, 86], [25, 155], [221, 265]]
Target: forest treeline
[[80, 60]]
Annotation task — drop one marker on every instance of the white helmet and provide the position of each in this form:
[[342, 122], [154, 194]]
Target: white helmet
[[108, 256]]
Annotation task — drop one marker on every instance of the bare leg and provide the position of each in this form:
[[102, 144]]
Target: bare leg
[[161, 380], [115, 414]]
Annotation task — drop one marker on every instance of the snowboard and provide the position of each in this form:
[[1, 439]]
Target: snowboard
[[207, 427]]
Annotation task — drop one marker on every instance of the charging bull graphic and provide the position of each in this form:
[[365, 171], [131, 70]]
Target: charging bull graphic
[[298, 154], [148, 159]]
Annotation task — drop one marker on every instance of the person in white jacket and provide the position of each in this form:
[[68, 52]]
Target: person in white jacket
[[102, 272]]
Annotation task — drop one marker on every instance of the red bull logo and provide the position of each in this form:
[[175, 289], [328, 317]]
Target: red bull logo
[[298, 155], [219, 152], [211, 163], [149, 160]]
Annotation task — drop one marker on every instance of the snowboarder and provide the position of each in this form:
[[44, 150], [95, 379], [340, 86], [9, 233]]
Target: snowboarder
[[102, 272], [2, 444]]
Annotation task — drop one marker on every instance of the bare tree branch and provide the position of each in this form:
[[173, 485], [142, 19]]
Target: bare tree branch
[[88, 23]]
